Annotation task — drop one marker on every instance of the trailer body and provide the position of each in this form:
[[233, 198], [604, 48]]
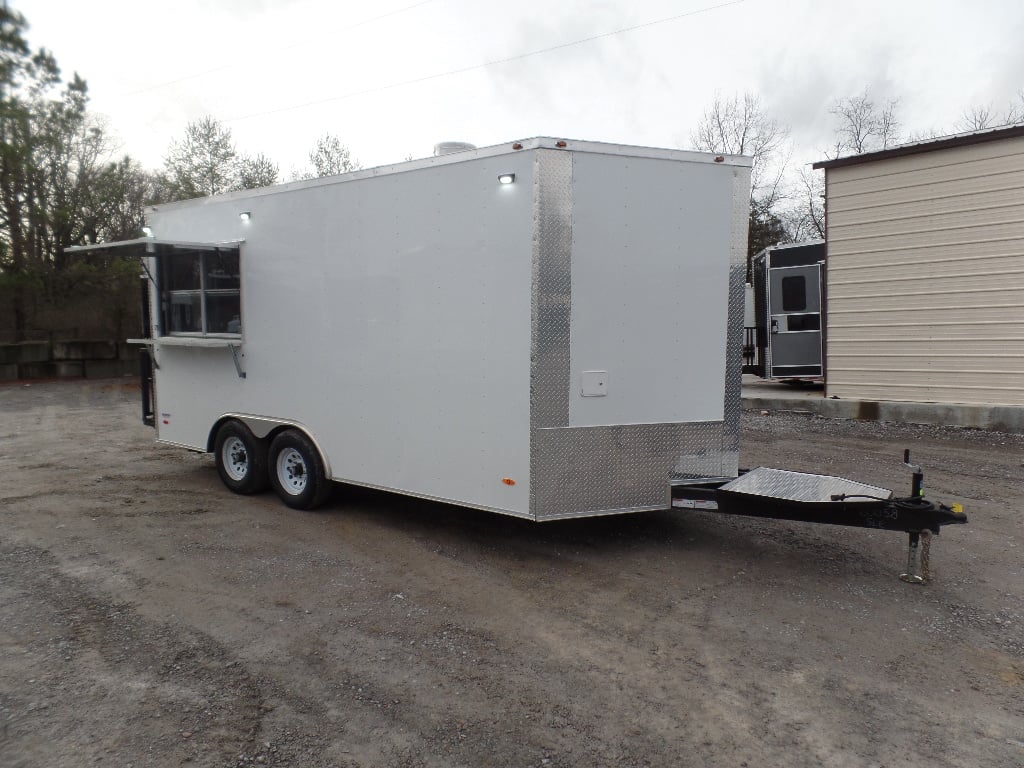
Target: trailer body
[[566, 343]]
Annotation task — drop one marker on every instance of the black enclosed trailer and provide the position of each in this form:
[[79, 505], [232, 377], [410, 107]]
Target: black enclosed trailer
[[788, 285]]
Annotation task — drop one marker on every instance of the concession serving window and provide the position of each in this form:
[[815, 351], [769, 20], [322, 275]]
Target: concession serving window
[[197, 285]]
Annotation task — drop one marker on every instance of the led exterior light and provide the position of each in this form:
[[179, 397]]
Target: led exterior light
[[245, 215], [147, 231], [507, 178]]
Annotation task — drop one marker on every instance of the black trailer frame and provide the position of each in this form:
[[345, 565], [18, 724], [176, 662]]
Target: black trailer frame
[[784, 495]]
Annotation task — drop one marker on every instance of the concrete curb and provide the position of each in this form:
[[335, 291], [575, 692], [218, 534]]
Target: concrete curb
[[996, 418]]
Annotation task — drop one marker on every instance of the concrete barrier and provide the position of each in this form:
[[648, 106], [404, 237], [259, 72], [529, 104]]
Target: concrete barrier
[[25, 352], [69, 359], [998, 418], [84, 350], [108, 369]]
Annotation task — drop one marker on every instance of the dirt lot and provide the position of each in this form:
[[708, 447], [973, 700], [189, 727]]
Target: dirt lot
[[150, 618]]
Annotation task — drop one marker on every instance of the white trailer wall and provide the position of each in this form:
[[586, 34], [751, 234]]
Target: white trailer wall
[[649, 274], [395, 310], [431, 328]]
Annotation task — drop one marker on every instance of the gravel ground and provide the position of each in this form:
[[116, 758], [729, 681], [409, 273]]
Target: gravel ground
[[150, 618]]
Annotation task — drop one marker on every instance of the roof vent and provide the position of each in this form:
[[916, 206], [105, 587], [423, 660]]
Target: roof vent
[[448, 147]]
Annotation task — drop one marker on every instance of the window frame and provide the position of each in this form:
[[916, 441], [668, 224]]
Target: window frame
[[164, 295]]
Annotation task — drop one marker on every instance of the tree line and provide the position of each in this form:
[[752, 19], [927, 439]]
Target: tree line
[[787, 202], [62, 185]]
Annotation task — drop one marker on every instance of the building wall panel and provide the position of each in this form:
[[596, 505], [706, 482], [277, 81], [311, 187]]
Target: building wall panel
[[935, 196], [861, 345], [926, 276], [986, 159]]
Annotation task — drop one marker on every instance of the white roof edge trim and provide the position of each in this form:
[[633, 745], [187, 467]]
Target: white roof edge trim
[[497, 150]]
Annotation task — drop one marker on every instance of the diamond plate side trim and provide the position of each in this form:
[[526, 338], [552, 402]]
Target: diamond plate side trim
[[612, 469], [734, 341]]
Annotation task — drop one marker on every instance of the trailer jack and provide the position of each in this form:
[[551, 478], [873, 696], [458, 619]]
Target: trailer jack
[[783, 495], [918, 558]]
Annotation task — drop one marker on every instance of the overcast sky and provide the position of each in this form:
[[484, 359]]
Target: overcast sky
[[393, 77]]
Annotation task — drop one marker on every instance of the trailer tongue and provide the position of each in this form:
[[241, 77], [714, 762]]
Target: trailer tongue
[[785, 495]]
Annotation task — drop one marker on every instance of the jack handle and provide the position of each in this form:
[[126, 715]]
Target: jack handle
[[917, 479]]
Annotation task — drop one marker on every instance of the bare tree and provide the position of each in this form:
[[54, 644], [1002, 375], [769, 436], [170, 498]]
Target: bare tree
[[1015, 113], [805, 220], [865, 126], [976, 118], [740, 126], [980, 117]]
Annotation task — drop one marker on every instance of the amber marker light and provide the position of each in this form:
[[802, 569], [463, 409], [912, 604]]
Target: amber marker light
[[508, 481]]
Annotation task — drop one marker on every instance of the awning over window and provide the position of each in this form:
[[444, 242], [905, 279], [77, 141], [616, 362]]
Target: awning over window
[[147, 246]]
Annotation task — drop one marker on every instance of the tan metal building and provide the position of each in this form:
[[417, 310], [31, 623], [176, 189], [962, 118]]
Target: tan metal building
[[925, 271]]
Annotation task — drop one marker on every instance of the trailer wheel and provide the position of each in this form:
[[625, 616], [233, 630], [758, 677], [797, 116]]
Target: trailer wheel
[[297, 472], [241, 458]]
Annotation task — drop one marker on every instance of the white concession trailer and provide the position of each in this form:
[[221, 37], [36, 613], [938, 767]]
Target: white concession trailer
[[546, 328]]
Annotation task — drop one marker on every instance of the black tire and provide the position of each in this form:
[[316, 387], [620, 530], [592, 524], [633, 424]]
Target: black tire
[[241, 458], [297, 471]]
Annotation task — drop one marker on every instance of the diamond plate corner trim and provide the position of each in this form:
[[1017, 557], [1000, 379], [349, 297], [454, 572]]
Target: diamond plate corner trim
[[549, 303], [768, 319], [734, 341], [552, 289], [698, 453]]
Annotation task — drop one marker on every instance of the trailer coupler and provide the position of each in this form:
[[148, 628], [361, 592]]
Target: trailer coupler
[[783, 495]]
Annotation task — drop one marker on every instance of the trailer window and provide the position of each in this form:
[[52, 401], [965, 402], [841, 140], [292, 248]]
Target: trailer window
[[794, 294], [810, 322], [200, 293]]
